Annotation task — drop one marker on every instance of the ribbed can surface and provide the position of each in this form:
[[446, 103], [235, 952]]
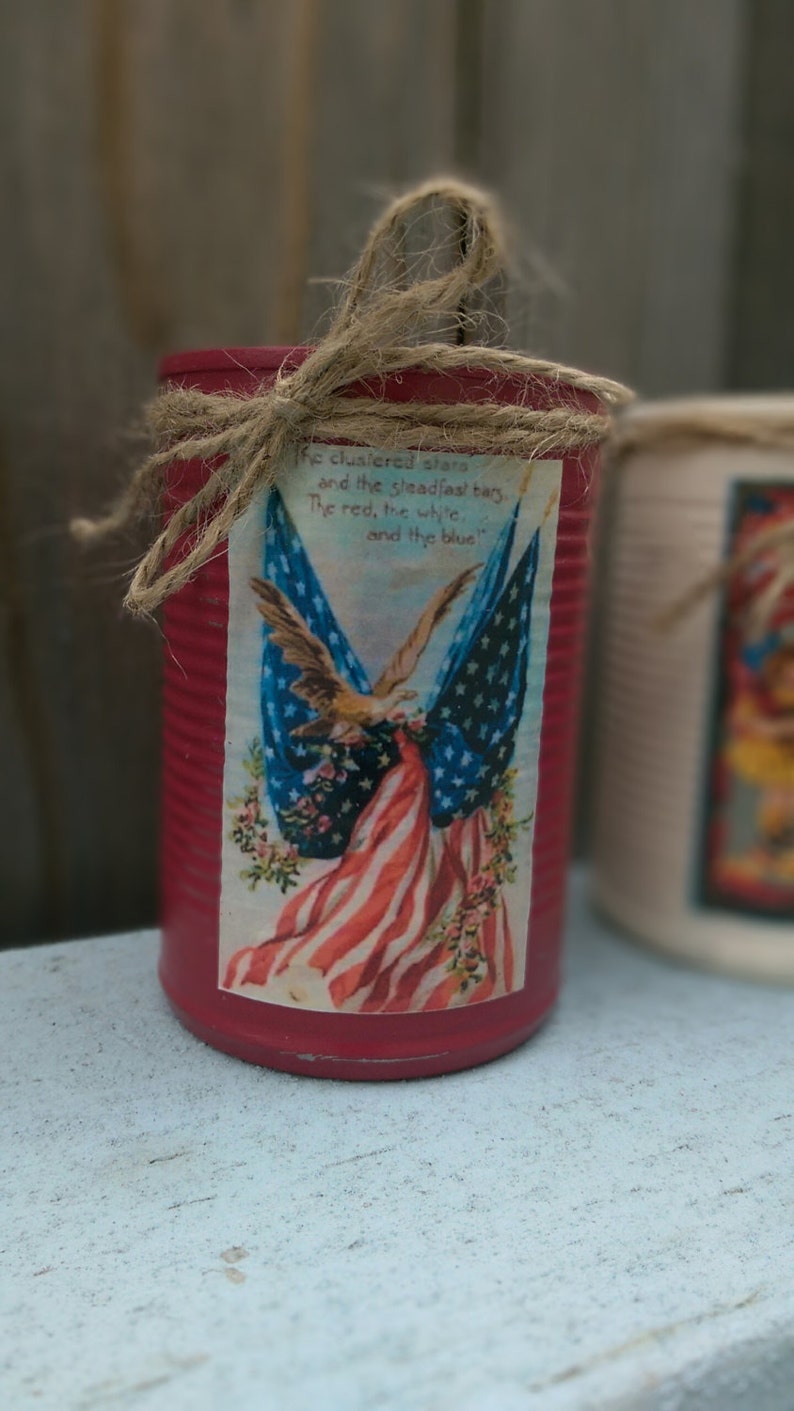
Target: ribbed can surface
[[374, 888], [683, 856]]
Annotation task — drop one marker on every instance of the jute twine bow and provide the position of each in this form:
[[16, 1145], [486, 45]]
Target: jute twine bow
[[249, 440], [697, 427]]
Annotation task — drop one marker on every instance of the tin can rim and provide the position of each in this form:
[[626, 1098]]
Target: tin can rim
[[264, 359], [268, 360]]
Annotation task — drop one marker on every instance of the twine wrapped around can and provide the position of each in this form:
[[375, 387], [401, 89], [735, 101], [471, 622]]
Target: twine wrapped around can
[[321, 399], [694, 809], [373, 565]]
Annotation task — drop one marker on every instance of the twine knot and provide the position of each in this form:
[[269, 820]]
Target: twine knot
[[293, 410], [375, 334]]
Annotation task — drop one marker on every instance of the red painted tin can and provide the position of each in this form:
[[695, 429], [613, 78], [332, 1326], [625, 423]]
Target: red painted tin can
[[370, 713]]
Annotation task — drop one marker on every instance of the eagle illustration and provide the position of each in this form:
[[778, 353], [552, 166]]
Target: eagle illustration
[[344, 713]]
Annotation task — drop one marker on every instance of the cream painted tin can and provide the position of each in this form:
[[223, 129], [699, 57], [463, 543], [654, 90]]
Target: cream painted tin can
[[694, 804]]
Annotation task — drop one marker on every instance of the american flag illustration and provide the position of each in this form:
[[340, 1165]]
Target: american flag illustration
[[413, 816], [361, 938]]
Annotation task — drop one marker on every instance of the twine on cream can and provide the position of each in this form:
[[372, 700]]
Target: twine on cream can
[[694, 801]]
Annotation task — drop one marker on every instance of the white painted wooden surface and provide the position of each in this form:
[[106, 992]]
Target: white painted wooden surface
[[601, 1220]]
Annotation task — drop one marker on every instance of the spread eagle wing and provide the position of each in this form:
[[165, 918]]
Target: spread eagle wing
[[403, 663], [319, 682]]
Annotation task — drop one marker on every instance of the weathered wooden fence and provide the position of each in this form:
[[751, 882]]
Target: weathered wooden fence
[[191, 172]]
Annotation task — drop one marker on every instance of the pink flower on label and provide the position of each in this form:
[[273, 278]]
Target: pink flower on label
[[262, 848], [310, 775], [248, 815], [325, 770], [323, 823]]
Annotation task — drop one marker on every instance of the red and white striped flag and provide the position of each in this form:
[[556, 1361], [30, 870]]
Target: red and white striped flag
[[406, 920]]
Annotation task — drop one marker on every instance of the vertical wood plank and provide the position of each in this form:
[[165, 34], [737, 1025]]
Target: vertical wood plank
[[79, 695], [613, 129], [384, 117], [300, 115], [762, 342], [469, 76]]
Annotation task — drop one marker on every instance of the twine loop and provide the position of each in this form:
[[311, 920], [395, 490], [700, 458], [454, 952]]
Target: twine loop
[[376, 334], [697, 426], [291, 409], [765, 604]]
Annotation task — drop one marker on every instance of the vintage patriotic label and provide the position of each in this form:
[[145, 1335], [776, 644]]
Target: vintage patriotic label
[[388, 625], [747, 860]]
